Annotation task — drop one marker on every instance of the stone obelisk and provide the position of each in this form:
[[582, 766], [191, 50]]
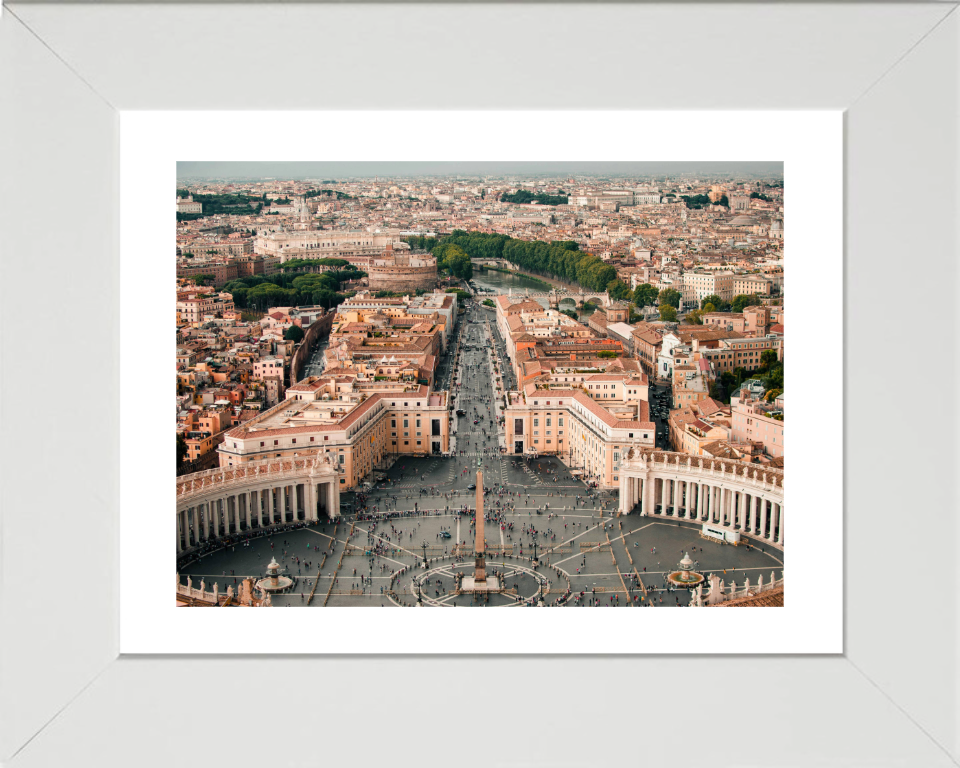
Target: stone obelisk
[[480, 577]]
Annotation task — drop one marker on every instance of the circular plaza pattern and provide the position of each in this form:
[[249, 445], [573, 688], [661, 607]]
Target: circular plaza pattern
[[608, 560]]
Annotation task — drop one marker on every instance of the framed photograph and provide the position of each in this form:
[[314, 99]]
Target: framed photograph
[[852, 109], [673, 491]]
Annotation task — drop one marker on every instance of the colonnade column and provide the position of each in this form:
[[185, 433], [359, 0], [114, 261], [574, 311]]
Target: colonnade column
[[179, 523], [753, 513], [762, 522], [780, 531], [333, 506], [663, 496], [196, 525], [310, 509], [774, 519], [270, 505], [700, 487]]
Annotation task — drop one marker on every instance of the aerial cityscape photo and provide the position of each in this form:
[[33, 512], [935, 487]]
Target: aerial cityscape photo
[[480, 384]]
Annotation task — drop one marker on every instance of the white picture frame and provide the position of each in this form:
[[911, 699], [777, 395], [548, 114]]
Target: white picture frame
[[66, 697]]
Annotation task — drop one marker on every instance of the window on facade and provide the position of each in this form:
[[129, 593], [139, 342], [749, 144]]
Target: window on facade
[[536, 422], [406, 422]]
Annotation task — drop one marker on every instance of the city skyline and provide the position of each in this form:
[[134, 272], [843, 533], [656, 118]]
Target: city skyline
[[260, 170]]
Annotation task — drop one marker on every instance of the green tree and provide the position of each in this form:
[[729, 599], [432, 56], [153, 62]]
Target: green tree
[[668, 313], [644, 295], [619, 290], [570, 313], [723, 201], [488, 303], [181, 449], [742, 301], [719, 305], [694, 318], [708, 307], [671, 297], [202, 279], [294, 333], [768, 359], [606, 354]]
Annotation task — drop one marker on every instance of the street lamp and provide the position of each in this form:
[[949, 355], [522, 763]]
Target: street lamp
[[424, 545]]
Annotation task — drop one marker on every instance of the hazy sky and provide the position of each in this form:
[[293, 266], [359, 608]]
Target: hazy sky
[[333, 170]]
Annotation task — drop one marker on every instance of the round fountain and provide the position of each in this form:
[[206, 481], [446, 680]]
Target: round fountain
[[274, 581], [686, 576]]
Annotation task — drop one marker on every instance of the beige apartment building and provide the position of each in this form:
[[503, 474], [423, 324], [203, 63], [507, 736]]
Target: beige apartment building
[[590, 437], [359, 429], [193, 308], [696, 286], [756, 421], [739, 353], [745, 285]]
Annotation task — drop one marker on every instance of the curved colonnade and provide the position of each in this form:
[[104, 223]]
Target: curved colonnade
[[732, 495], [254, 495]]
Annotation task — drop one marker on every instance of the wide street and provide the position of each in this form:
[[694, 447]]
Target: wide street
[[373, 555]]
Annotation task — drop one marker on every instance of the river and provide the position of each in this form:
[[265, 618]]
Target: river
[[503, 282]]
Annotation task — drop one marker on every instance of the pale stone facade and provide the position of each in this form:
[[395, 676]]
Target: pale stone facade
[[228, 500], [733, 495]]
